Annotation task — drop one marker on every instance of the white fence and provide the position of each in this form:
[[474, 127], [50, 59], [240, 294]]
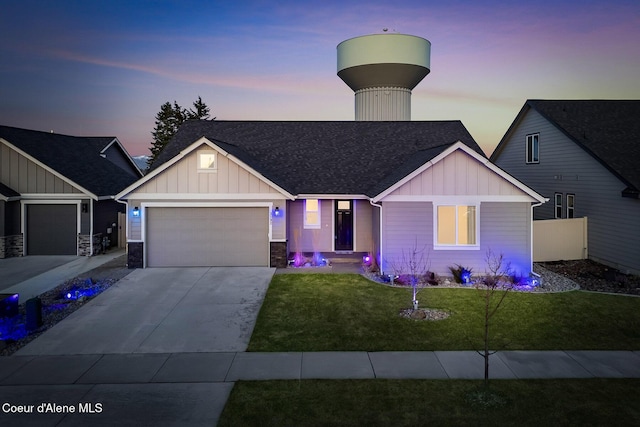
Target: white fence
[[560, 239]]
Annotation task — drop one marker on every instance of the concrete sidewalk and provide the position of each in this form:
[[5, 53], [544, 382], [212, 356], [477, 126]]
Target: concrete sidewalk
[[192, 388]]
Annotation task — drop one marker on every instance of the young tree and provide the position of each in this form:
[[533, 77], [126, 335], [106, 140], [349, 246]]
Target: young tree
[[169, 119], [414, 266], [493, 289]]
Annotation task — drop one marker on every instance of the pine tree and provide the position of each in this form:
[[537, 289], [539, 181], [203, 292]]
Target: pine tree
[[169, 119], [200, 110]]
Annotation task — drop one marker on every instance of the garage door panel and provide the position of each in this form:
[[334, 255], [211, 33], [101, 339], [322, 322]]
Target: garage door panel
[[51, 229], [207, 236]]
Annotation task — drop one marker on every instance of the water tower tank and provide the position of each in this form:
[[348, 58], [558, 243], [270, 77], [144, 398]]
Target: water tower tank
[[382, 69]]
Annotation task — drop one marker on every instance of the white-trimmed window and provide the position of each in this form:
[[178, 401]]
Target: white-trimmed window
[[558, 205], [207, 161], [533, 148], [571, 199], [312, 213], [456, 226]]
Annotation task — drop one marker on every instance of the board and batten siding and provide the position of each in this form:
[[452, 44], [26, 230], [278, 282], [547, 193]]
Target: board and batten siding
[[504, 229], [184, 178], [457, 174], [26, 177], [564, 167]]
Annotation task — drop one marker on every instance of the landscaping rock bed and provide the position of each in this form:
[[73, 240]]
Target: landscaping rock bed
[[56, 306], [592, 276]]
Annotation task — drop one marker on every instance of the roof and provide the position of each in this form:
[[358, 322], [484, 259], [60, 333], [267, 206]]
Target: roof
[[318, 157], [609, 130], [7, 192], [76, 158]]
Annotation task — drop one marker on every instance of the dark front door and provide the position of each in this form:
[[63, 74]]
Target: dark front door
[[344, 225]]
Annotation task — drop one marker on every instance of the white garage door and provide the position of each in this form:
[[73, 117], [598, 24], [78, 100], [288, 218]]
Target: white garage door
[[190, 237]]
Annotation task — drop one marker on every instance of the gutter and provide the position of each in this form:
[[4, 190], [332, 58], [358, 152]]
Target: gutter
[[380, 232]]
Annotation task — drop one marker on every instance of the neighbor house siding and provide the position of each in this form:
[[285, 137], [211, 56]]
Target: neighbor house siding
[[504, 228], [115, 155], [27, 177], [614, 229]]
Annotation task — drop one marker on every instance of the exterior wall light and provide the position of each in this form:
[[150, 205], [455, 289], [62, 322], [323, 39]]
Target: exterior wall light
[[136, 212], [276, 211]]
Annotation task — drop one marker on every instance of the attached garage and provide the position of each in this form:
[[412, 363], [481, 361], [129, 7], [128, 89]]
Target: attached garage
[[51, 229], [207, 236]]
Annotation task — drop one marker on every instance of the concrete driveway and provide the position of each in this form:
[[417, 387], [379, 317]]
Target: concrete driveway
[[164, 310]]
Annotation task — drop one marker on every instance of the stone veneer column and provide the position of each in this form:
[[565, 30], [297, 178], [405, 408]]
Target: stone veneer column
[[135, 251], [278, 254]]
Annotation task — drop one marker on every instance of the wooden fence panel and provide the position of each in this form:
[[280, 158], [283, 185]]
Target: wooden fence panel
[[560, 239]]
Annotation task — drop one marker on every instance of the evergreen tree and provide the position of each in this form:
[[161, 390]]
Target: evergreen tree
[[169, 119], [199, 111]]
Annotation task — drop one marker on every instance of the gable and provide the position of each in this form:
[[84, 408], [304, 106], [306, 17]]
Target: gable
[[28, 177], [458, 173], [182, 179]]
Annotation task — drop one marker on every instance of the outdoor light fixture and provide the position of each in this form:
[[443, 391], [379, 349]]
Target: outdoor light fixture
[[276, 211], [136, 212]]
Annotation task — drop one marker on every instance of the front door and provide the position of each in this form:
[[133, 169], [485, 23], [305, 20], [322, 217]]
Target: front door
[[344, 225]]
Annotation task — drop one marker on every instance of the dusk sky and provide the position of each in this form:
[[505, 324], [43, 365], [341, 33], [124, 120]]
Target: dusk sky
[[104, 68]]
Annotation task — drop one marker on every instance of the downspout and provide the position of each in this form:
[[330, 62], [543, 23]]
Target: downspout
[[535, 205], [380, 231], [90, 227]]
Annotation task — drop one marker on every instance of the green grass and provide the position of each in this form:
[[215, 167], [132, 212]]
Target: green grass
[[587, 402], [343, 312]]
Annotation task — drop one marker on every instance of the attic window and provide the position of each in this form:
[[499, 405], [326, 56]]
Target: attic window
[[207, 161]]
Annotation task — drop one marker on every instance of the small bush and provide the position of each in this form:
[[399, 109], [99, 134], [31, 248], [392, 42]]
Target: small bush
[[459, 273]]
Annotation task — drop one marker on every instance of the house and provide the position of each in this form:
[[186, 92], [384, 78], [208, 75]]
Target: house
[[248, 193], [582, 154], [56, 191]]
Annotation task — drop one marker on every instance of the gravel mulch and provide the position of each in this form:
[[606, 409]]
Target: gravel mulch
[[596, 277], [56, 307]]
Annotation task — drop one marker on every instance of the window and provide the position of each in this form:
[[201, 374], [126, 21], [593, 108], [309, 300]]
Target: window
[[312, 213], [570, 205], [207, 161], [558, 205], [533, 148], [456, 226]]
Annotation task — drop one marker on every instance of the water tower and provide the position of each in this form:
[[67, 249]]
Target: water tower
[[382, 69]]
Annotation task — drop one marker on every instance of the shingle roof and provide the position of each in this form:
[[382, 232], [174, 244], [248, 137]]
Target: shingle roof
[[326, 157], [76, 158], [609, 130], [7, 192]]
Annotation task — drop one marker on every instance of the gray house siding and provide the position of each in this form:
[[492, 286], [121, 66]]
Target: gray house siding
[[409, 224], [115, 155], [565, 168]]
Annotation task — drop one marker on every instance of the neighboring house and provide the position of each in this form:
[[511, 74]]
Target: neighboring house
[[56, 191], [250, 193], [583, 155]]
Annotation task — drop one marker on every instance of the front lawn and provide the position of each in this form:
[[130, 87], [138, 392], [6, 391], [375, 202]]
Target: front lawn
[[346, 312], [587, 402]]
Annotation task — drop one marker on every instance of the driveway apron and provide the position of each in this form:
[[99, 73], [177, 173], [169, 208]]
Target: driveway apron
[[164, 310]]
